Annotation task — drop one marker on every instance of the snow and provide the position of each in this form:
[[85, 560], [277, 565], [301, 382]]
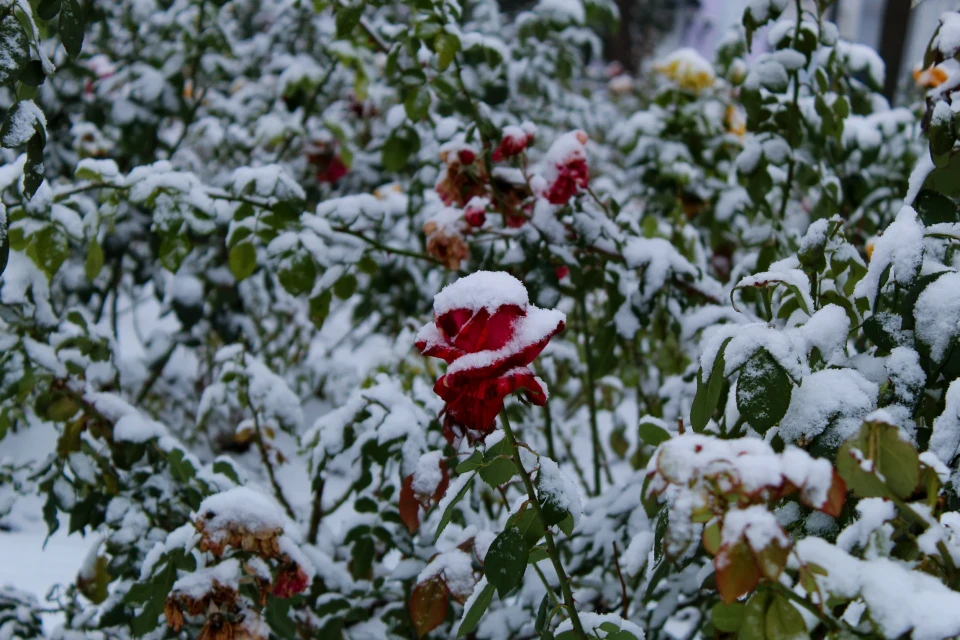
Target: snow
[[947, 40], [21, 124], [945, 439], [555, 487], [456, 569], [838, 396], [937, 314], [428, 474], [660, 259], [794, 277], [488, 290], [199, 583], [592, 622], [241, 506], [750, 465], [535, 327], [756, 525], [899, 600], [900, 248]]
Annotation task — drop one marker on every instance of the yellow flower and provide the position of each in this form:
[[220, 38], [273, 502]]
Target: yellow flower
[[930, 77], [688, 69], [869, 248], [736, 121]]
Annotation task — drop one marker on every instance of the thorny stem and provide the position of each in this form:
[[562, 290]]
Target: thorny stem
[[552, 550]]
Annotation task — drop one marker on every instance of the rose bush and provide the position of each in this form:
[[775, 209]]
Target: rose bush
[[223, 225]]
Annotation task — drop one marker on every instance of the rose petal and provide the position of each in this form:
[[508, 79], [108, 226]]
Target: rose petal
[[531, 334]]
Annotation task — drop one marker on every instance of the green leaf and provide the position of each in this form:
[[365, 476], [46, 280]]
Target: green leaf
[[71, 27], [33, 170], [652, 435], [226, 468], [553, 513], [448, 512], [498, 467], [506, 561], [173, 249], [347, 20], [48, 9], [541, 622], [14, 48], [783, 621], [320, 308], [417, 103], [48, 249], [878, 463], [474, 462], [345, 286], [753, 625], [447, 45], [934, 208], [471, 618], [243, 260], [297, 274], [398, 147], [708, 394], [727, 617], [763, 391], [32, 74], [94, 261]]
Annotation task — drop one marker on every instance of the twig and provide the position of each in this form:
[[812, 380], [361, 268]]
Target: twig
[[623, 584]]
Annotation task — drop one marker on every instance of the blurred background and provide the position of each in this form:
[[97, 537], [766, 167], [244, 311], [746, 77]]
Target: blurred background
[[898, 31]]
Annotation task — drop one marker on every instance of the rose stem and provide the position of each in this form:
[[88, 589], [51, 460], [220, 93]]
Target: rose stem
[[552, 550]]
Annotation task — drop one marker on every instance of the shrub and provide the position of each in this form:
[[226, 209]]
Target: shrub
[[700, 328]]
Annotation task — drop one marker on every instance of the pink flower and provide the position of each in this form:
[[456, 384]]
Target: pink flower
[[567, 171], [488, 333]]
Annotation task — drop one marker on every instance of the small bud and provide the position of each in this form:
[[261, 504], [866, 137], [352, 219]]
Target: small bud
[[466, 156]]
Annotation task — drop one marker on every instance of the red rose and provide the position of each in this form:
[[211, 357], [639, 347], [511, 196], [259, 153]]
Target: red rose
[[567, 170], [290, 581], [488, 333], [513, 142], [476, 212], [334, 170]]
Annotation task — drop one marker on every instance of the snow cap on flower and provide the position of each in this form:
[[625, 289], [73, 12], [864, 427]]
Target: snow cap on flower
[[688, 70], [566, 170], [488, 332], [445, 238], [475, 213]]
